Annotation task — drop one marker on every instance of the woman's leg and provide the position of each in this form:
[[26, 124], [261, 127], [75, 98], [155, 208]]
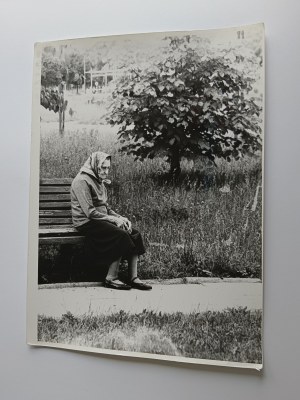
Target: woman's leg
[[111, 280], [132, 266], [135, 282], [113, 270]]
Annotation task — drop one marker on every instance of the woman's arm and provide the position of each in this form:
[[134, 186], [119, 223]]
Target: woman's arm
[[83, 195], [126, 223], [112, 212]]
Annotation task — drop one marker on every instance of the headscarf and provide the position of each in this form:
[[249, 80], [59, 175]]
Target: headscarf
[[92, 164]]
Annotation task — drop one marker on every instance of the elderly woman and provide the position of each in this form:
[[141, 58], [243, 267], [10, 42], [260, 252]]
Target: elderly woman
[[110, 236]]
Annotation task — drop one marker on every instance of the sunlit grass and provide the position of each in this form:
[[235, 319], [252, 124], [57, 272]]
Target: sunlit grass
[[201, 225], [230, 335]]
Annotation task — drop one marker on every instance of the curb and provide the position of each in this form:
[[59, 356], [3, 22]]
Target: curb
[[175, 281]]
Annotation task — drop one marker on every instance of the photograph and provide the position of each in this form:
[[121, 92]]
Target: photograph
[[146, 196]]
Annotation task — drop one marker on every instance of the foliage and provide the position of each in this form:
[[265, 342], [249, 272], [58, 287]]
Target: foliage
[[55, 69], [52, 70], [67, 63], [50, 99], [73, 65], [192, 102], [231, 335]]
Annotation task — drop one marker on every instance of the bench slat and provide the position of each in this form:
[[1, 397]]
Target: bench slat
[[55, 189], [61, 240], [68, 231], [55, 213], [55, 205], [55, 221], [55, 197], [56, 226], [56, 181]]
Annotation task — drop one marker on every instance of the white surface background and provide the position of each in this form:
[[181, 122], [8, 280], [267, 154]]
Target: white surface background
[[33, 373]]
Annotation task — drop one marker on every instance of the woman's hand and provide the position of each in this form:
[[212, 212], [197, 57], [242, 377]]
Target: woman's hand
[[121, 222], [116, 221], [127, 224]]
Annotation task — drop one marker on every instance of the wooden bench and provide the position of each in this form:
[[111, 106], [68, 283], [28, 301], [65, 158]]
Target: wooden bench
[[55, 218]]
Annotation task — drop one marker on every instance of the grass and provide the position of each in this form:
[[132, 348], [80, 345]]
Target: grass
[[201, 225], [230, 335]]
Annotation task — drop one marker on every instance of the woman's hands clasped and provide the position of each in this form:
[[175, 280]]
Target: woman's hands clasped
[[126, 224], [121, 222]]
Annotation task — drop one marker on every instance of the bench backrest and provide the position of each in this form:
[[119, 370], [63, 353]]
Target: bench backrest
[[55, 203]]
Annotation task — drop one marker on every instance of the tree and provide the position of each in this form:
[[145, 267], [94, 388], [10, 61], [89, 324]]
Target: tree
[[73, 65], [68, 66], [50, 99], [191, 102], [52, 70]]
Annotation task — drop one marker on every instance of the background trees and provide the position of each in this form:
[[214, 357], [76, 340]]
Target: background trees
[[52, 70]]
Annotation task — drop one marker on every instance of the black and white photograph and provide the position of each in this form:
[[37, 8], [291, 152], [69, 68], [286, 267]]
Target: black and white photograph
[[146, 207]]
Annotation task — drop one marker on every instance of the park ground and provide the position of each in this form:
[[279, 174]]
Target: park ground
[[206, 224], [212, 319]]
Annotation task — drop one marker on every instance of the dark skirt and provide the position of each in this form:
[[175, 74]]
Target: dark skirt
[[105, 242]]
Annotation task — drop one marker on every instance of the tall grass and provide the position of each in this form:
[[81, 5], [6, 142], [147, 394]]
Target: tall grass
[[201, 225], [231, 335]]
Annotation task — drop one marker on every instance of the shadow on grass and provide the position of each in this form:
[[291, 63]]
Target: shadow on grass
[[206, 179]]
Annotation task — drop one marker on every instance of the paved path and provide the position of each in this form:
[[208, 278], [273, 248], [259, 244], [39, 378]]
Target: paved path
[[213, 296]]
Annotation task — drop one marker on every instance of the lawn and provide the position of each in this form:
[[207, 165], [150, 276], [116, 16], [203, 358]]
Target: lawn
[[230, 335], [206, 224]]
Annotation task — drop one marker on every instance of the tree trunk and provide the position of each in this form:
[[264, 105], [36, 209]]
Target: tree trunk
[[61, 110], [175, 162], [60, 123]]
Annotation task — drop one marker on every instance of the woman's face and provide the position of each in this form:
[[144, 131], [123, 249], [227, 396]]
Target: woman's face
[[103, 170]]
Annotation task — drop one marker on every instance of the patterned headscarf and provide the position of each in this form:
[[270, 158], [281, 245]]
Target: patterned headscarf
[[92, 164]]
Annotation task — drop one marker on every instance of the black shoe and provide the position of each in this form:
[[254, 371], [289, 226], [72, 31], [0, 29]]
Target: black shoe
[[139, 285], [116, 284]]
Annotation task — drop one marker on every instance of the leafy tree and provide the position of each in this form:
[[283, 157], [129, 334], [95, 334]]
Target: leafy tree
[[52, 100], [68, 66], [52, 70], [192, 102], [73, 64]]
